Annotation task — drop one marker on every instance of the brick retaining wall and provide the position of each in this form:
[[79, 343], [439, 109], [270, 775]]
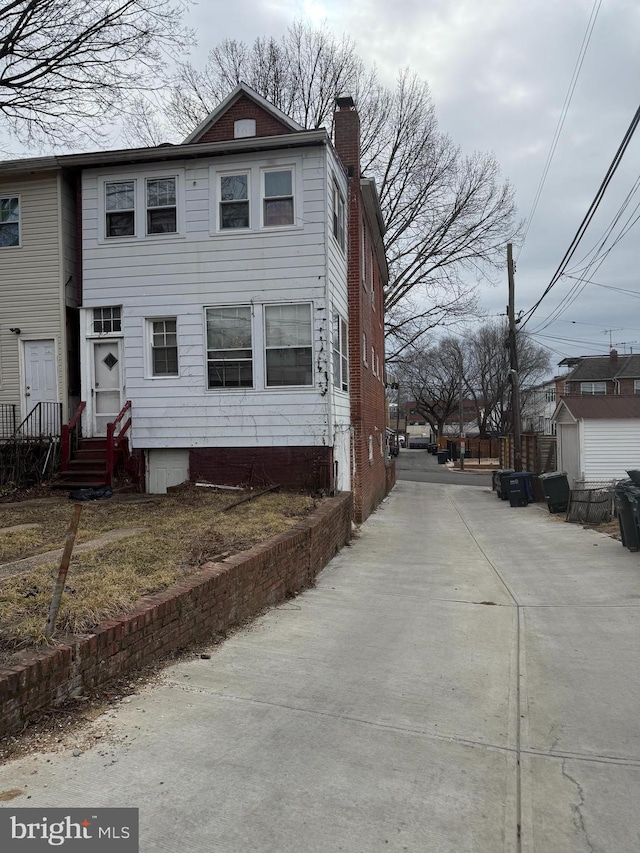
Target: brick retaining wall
[[218, 597]]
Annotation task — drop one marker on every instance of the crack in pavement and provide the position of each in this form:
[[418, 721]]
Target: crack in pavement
[[578, 817]]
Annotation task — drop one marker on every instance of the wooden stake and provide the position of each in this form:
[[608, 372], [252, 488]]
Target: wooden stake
[[62, 571]]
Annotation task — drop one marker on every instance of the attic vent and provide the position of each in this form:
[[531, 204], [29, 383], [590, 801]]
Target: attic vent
[[244, 127]]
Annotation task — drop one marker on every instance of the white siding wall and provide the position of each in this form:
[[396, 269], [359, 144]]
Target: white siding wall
[[610, 448], [338, 297], [30, 282], [178, 275], [569, 451]]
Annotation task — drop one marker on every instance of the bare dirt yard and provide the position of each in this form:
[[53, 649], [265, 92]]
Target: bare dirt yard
[[126, 547]]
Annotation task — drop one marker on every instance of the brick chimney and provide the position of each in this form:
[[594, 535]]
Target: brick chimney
[[346, 135], [613, 356]]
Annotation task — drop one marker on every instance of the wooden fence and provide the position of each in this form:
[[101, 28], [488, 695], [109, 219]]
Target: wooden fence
[[538, 453]]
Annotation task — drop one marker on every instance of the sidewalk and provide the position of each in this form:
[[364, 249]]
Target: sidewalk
[[462, 668]]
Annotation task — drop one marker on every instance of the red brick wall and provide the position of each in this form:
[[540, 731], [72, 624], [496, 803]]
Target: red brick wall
[[218, 597], [626, 386], [299, 468], [368, 407], [244, 107]]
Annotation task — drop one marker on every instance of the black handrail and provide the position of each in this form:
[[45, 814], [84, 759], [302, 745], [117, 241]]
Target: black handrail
[[8, 419], [43, 421]]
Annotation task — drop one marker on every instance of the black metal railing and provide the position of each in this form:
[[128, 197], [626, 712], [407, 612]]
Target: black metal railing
[[8, 420], [43, 421]]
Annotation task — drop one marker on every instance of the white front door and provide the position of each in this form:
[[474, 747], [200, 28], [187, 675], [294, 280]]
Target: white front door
[[107, 384], [40, 382]]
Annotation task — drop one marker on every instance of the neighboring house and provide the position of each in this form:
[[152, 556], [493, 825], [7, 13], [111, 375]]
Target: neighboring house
[[598, 437], [232, 291], [538, 408], [602, 375], [39, 294]]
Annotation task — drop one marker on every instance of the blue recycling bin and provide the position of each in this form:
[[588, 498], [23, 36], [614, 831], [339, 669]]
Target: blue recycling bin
[[520, 488]]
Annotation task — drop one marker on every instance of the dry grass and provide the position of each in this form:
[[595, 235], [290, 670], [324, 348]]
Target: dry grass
[[184, 530]]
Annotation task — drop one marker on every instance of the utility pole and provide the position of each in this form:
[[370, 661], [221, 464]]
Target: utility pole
[[513, 364], [462, 437]]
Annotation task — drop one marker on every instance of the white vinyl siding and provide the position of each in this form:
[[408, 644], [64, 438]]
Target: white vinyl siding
[[610, 448], [164, 276], [32, 283]]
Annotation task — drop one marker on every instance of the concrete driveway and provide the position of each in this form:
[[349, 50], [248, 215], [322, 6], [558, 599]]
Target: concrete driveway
[[464, 677]]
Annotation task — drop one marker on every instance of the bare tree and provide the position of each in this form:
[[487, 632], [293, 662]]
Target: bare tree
[[448, 215], [433, 377], [66, 66], [487, 374]]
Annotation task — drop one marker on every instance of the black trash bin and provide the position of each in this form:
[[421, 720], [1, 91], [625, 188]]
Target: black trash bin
[[555, 488], [520, 485], [502, 482], [624, 511], [443, 456], [633, 496]]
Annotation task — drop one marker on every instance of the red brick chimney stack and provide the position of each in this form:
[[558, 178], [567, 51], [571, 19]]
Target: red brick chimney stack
[[346, 135], [613, 356]]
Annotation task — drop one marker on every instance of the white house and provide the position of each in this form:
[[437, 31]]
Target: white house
[[231, 302], [598, 437], [214, 291]]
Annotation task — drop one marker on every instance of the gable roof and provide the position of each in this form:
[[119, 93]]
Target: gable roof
[[241, 90], [599, 368], [609, 406]]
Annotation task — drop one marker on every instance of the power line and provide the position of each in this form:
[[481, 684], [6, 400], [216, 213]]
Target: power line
[[589, 215], [563, 115]]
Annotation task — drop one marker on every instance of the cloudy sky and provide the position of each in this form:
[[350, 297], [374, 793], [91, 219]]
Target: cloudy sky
[[499, 72]]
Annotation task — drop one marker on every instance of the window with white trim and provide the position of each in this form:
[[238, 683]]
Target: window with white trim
[[338, 216], [163, 339], [370, 450], [9, 221], [550, 395], [107, 321], [162, 215], [288, 344], [340, 347], [373, 361], [636, 386], [234, 201], [120, 208], [229, 347], [364, 348], [277, 197], [593, 388]]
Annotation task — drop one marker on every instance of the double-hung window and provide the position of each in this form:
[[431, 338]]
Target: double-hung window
[[161, 206], [164, 347], [234, 201], [9, 221], [595, 388], [340, 346], [278, 208], [636, 386], [229, 347], [120, 207], [288, 344]]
